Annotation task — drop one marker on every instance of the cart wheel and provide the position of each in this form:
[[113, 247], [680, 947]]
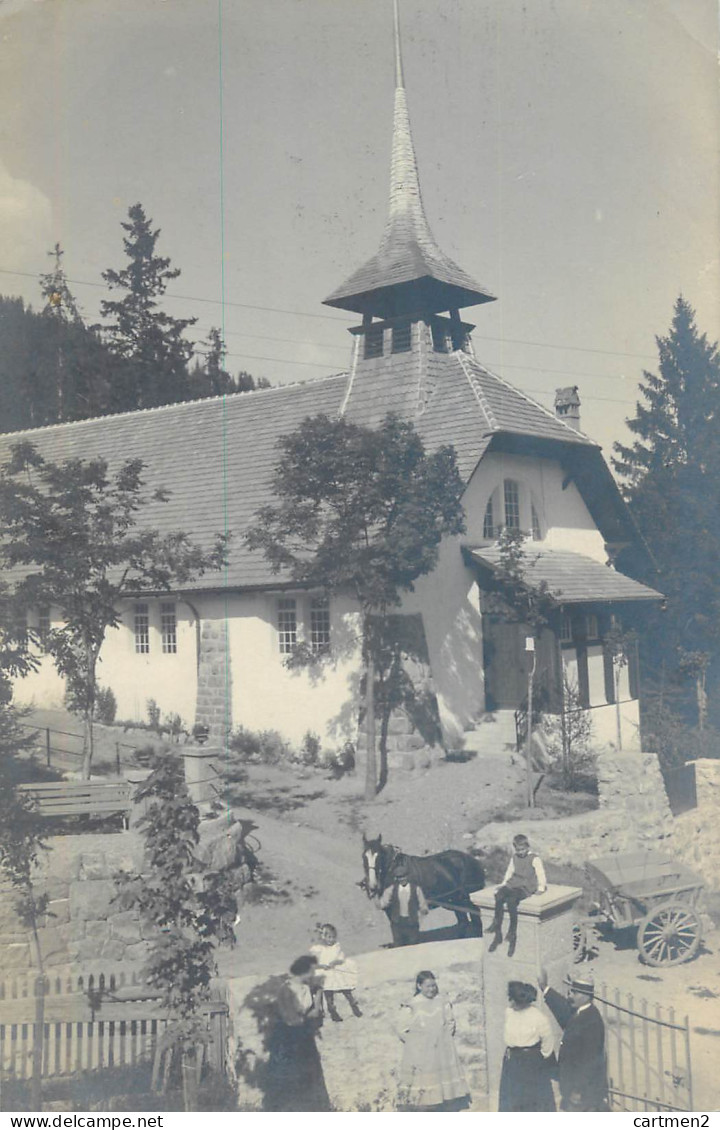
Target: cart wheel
[[580, 941], [669, 935]]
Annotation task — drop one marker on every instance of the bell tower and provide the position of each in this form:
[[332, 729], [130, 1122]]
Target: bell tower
[[410, 291]]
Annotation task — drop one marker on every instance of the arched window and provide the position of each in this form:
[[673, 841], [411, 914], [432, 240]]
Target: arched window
[[512, 507]]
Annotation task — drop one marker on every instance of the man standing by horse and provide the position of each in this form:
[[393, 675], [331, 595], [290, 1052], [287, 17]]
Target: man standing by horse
[[404, 903]]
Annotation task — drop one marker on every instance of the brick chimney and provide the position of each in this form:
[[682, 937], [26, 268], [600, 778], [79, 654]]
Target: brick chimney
[[567, 406]]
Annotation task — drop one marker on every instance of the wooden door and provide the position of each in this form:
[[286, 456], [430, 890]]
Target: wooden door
[[505, 663]]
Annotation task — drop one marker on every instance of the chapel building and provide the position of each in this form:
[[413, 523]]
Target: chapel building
[[216, 653]]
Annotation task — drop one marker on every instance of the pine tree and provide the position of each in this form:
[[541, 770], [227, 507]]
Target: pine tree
[[211, 378], [78, 380], [671, 479], [151, 344]]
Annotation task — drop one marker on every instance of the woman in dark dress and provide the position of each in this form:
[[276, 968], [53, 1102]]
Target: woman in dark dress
[[294, 1072], [525, 1080]]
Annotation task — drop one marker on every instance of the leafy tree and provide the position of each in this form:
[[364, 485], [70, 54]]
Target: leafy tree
[[671, 480], [150, 342], [515, 599], [360, 511], [22, 838], [191, 907], [73, 528]]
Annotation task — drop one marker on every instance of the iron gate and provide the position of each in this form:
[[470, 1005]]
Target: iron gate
[[648, 1054]]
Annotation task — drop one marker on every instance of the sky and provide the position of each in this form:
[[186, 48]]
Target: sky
[[568, 156]]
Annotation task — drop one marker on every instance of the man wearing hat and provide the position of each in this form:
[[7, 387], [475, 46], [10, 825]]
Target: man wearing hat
[[582, 1073], [404, 903]]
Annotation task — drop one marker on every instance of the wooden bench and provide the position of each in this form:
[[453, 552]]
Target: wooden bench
[[79, 798]]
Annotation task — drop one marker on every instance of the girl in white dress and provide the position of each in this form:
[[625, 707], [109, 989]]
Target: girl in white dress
[[339, 973], [431, 1077]]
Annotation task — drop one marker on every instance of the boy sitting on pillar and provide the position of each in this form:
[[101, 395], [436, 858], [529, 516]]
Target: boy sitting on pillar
[[525, 876]]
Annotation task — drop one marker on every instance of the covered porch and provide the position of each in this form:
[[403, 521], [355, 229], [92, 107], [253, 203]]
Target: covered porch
[[577, 662]]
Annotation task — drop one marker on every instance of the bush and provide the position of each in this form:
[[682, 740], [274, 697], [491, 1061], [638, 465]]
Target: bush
[[105, 706], [310, 748], [261, 745], [568, 741], [669, 736]]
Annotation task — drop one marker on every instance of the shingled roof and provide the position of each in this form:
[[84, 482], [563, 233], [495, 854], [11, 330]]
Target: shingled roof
[[216, 456], [572, 577]]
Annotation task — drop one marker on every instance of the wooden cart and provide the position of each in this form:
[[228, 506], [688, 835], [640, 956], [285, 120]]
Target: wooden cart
[[652, 893]]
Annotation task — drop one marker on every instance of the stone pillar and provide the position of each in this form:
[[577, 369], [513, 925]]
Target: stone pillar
[[214, 703], [202, 774], [544, 941]]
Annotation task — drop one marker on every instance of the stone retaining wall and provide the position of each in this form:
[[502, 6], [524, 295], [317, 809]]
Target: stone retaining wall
[[696, 834], [633, 814], [83, 923], [361, 1057]]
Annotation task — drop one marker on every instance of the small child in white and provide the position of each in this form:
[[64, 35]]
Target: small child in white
[[339, 973]]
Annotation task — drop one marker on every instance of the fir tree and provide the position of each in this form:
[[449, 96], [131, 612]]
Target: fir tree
[[210, 377], [79, 373], [671, 479], [151, 344]]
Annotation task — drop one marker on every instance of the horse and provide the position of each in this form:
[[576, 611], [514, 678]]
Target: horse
[[446, 877]]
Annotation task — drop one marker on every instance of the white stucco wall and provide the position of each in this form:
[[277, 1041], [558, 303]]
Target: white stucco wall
[[565, 520], [324, 699], [170, 679], [266, 695]]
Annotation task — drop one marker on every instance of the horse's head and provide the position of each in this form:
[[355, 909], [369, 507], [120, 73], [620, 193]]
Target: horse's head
[[375, 865]]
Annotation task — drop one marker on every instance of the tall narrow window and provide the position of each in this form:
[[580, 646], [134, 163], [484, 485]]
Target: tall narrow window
[[43, 626], [402, 338], [320, 624], [168, 629], [566, 633], [536, 533], [488, 520], [512, 504], [287, 624], [374, 341], [142, 629]]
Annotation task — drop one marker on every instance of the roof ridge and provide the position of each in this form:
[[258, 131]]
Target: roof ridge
[[575, 432], [490, 419], [177, 404]]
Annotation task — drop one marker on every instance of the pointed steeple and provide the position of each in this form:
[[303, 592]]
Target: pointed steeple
[[409, 274]]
